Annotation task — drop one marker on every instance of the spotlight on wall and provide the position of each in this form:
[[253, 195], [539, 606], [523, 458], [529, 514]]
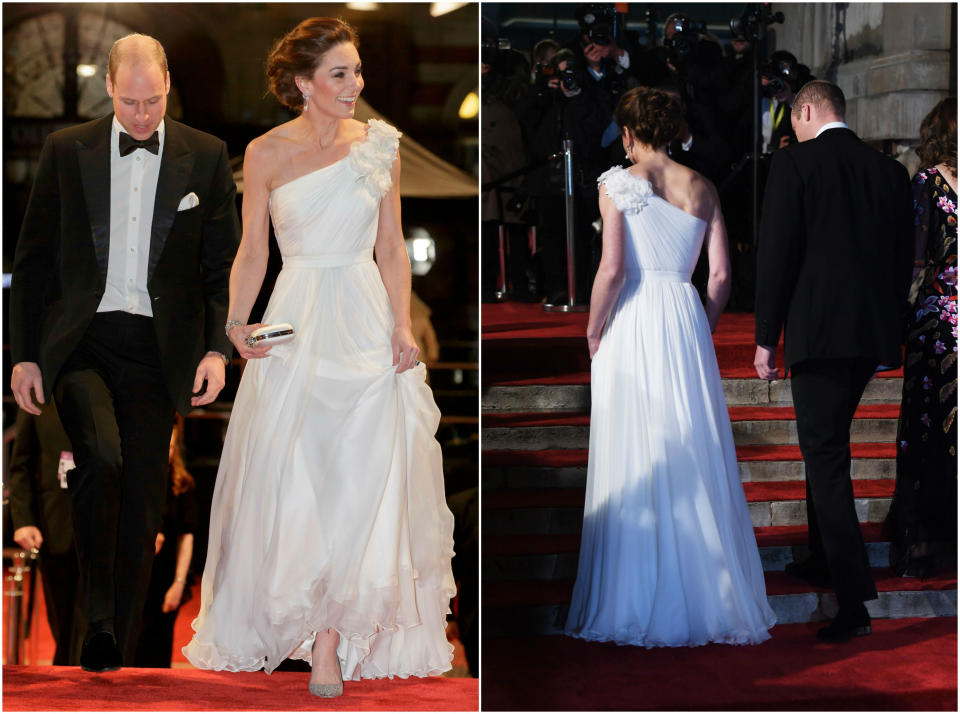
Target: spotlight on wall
[[470, 106], [442, 8], [421, 250], [365, 6], [86, 70]]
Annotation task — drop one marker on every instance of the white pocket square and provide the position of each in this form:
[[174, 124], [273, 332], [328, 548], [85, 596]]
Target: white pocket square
[[189, 201]]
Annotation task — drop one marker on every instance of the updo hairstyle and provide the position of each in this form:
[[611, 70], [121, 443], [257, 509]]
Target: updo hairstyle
[[299, 53], [652, 116]]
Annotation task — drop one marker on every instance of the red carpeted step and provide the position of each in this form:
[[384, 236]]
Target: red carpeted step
[[906, 664], [493, 376], [560, 458], [791, 452], [772, 536], [553, 458], [864, 411], [543, 544], [737, 414], [72, 689], [755, 492], [796, 490], [558, 592], [779, 583]]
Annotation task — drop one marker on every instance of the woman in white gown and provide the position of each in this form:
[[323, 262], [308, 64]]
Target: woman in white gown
[[668, 556], [330, 540]]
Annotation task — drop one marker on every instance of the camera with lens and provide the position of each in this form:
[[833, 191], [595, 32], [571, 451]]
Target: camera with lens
[[682, 44], [781, 71], [598, 24], [568, 77], [490, 48], [754, 21]]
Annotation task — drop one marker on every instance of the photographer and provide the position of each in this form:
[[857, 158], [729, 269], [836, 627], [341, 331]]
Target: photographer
[[504, 86], [565, 103], [780, 78]]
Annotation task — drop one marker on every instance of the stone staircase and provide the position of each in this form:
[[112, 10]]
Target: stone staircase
[[535, 431]]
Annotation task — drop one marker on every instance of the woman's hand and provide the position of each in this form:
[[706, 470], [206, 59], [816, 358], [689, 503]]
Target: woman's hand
[[171, 601], [593, 344], [238, 336], [405, 350]]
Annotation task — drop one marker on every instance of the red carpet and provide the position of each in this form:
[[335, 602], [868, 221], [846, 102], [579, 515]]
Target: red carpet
[[791, 671], [522, 344], [71, 689]]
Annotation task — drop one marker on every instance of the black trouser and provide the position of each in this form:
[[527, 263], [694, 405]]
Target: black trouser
[[59, 576], [825, 396], [116, 409]]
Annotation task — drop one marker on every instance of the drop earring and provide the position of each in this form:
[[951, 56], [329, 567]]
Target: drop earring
[[306, 100]]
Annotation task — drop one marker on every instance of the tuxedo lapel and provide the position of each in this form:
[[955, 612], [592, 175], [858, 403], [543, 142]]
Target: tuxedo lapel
[[175, 167], [93, 156]]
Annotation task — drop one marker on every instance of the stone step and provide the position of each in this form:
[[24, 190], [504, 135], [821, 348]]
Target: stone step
[[745, 433], [500, 477], [559, 511], [507, 558], [575, 396], [540, 607]]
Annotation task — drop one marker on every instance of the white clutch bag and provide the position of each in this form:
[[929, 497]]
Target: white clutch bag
[[271, 335]]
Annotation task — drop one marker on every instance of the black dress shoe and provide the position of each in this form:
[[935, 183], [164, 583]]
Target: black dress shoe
[[843, 629], [101, 654], [810, 571]]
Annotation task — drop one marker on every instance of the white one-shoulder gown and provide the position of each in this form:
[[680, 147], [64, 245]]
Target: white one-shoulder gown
[[668, 555], [329, 505]]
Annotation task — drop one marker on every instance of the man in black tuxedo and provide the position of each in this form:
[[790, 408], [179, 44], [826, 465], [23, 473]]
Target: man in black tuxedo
[[118, 301], [834, 266]]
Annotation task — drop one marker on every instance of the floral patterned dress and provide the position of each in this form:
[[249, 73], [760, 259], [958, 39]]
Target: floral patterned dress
[[922, 523]]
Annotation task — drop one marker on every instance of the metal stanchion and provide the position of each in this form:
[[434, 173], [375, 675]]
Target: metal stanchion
[[571, 304], [13, 592], [501, 293]]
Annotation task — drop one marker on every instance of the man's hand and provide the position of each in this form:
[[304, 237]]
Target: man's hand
[[158, 543], [26, 377], [211, 369], [763, 361], [594, 54], [28, 537]]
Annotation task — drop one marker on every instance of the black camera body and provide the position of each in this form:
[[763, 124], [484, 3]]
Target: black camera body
[[754, 21], [682, 46], [598, 24]]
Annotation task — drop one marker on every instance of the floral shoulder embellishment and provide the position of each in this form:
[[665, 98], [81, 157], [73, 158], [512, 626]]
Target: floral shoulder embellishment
[[629, 193], [373, 157]]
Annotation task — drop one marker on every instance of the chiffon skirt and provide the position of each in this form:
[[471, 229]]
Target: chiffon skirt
[[329, 507], [668, 555]]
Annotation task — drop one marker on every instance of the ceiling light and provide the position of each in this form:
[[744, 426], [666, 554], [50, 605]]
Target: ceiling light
[[86, 70], [365, 6], [469, 106], [442, 8]]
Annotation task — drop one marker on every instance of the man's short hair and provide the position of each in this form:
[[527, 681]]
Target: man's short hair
[[823, 95], [145, 49]]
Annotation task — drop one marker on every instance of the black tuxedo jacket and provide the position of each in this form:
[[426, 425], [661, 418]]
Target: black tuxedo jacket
[[36, 498], [60, 266], [836, 253]]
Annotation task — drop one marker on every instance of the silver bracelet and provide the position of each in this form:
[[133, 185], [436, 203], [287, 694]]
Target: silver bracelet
[[230, 324]]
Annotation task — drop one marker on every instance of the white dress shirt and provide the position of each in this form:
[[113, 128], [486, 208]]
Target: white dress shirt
[[133, 191], [832, 125]]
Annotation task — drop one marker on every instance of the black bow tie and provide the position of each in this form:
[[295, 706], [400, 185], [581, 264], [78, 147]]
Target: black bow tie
[[128, 144]]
